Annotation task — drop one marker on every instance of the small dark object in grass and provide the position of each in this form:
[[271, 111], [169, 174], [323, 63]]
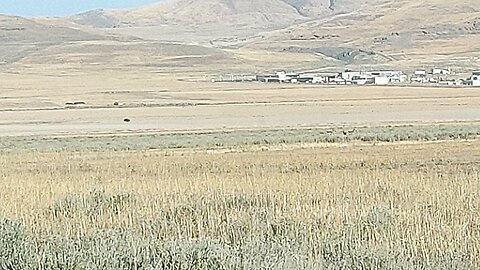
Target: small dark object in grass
[[75, 103], [115, 103], [126, 120]]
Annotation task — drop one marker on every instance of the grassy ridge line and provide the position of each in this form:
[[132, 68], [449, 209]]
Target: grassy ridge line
[[242, 137]]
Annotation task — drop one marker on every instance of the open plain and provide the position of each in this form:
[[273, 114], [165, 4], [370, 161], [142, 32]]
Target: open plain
[[99, 104]]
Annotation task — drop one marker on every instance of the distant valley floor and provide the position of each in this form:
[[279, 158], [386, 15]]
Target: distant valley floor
[[218, 109], [252, 106]]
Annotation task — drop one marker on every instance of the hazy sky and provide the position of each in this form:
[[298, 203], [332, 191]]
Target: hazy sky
[[31, 8]]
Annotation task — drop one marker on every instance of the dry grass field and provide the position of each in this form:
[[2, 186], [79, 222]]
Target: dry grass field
[[391, 206]]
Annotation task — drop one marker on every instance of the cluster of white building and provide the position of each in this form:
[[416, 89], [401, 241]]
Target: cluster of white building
[[383, 77], [440, 76], [347, 77], [435, 76]]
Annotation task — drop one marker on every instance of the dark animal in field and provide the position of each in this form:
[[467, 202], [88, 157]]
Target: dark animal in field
[[347, 132]]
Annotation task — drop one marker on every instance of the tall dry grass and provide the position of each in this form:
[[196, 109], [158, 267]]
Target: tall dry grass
[[395, 206]]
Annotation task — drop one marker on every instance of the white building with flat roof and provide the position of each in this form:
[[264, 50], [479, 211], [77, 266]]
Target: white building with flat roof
[[382, 80], [419, 73], [349, 75], [441, 71], [474, 80], [366, 77]]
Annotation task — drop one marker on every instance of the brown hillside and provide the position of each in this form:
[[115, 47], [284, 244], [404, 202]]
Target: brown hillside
[[310, 33], [390, 33], [20, 30], [187, 12], [20, 37]]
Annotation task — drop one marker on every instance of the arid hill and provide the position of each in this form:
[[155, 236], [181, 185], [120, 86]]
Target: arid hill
[[251, 35], [263, 13], [393, 33], [20, 37], [20, 30], [273, 13]]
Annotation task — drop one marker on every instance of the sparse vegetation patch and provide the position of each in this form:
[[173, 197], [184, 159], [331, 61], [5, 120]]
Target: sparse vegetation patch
[[219, 139]]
